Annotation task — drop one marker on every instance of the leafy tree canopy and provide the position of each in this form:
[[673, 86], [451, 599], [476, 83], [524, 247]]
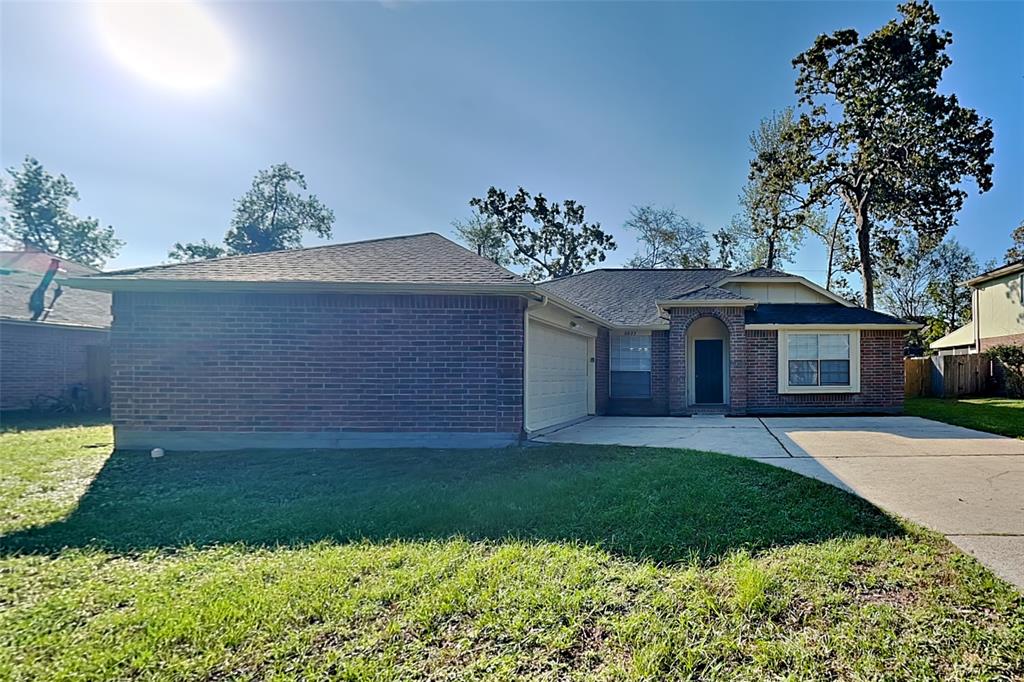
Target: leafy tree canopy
[[38, 215], [270, 216], [553, 238], [1016, 251], [667, 239], [875, 133], [484, 236]]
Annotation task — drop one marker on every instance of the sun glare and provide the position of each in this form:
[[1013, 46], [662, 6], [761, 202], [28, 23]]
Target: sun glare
[[174, 44]]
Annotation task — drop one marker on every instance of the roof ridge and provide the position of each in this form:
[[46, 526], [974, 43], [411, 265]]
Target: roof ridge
[[163, 266], [587, 272]]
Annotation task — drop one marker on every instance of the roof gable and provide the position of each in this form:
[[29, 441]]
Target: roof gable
[[627, 297]]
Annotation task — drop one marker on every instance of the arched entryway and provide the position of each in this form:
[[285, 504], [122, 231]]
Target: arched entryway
[[707, 362]]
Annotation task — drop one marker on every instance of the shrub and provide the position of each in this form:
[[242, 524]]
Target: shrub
[[1012, 360]]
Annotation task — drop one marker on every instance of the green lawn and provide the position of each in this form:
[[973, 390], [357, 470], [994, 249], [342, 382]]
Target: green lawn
[[1004, 416], [552, 562]]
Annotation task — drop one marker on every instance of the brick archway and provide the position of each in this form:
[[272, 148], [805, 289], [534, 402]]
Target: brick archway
[[679, 325]]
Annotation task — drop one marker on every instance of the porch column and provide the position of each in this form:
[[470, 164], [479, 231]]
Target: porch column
[[678, 321]]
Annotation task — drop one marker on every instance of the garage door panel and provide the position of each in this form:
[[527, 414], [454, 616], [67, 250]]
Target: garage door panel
[[557, 385]]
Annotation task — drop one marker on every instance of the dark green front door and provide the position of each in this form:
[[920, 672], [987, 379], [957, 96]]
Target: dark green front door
[[707, 371]]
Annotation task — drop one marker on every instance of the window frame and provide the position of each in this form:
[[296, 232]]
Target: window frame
[[784, 386], [650, 363]]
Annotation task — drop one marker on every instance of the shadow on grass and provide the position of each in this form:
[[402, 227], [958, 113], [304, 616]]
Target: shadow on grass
[[660, 505], [27, 420]]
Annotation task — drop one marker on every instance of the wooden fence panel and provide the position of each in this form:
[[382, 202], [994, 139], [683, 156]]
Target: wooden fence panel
[[947, 376], [965, 375], [918, 377]]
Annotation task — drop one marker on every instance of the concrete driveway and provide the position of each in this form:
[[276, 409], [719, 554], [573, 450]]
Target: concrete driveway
[[965, 484]]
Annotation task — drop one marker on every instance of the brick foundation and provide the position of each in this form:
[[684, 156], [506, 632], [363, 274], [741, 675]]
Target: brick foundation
[[41, 359], [1010, 340], [317, 363]]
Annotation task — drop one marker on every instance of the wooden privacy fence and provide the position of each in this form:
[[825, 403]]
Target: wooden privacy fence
[[947, 376]]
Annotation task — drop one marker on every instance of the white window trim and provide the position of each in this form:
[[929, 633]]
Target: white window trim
[[783, 357]]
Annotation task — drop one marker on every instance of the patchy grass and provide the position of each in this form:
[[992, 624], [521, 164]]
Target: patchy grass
[[537, 563], [1004, 416]]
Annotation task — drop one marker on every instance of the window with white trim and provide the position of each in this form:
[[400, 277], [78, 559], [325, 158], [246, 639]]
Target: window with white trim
[[630, 365], [819, 362]]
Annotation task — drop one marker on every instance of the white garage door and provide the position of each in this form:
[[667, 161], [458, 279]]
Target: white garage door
[[557, 386]]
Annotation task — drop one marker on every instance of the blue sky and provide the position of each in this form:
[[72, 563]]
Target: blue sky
[[398, 114]]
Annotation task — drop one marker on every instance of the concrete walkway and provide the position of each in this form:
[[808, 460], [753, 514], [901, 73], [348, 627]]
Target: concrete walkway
[[965, 484]]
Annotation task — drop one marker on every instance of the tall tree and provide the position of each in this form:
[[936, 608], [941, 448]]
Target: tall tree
[[484, 236], [772, 207], [558, 240], [1016, 250], [876, 133], [951, 264], [904, 291], [667, 239], [840, 256], [39, 215], [270, 216]]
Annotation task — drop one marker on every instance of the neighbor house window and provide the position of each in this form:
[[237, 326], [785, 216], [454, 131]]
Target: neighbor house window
[[818, 362], [631, 365]]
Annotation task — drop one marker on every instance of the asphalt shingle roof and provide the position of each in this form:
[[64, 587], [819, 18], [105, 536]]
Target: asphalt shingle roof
[[22, 271], [627, 297], [415, 259], [816, 313], [710, 293]]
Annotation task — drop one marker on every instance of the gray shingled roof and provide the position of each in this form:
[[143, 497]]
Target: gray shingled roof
[[710, 293], [627, 297], [817, 313], [415, 259], [22, 271]]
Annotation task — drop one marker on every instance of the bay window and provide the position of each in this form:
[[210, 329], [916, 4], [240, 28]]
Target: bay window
[[630, 360]]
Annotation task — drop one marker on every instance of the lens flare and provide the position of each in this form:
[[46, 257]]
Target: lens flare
[[177, 45]]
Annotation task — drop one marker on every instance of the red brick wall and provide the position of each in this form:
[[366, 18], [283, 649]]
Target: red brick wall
[[733, 319], [601, 359], [881, 375], [1011, 340], [42, 359], [317, 363]]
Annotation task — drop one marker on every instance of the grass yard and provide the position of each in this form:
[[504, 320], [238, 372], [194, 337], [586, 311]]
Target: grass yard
[[1004, 416], [559, 562]]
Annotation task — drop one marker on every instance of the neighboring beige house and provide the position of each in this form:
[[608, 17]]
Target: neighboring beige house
[[997, 315]]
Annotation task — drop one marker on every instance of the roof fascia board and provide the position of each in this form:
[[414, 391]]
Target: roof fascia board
[[998, 273], [789, 278], [44, 325]]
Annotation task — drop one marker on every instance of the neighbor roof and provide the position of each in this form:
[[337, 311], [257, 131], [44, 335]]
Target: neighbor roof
[[961, 336], [20, 274], [1002, 271], [818, 313], [425, 258], [627, 296]]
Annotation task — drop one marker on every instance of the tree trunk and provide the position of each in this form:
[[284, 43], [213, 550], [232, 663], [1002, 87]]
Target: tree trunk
[[867, 272], [770, 260]]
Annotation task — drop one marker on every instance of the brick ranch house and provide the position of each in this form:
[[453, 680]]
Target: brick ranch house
[[417, 341], [49, 355]]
